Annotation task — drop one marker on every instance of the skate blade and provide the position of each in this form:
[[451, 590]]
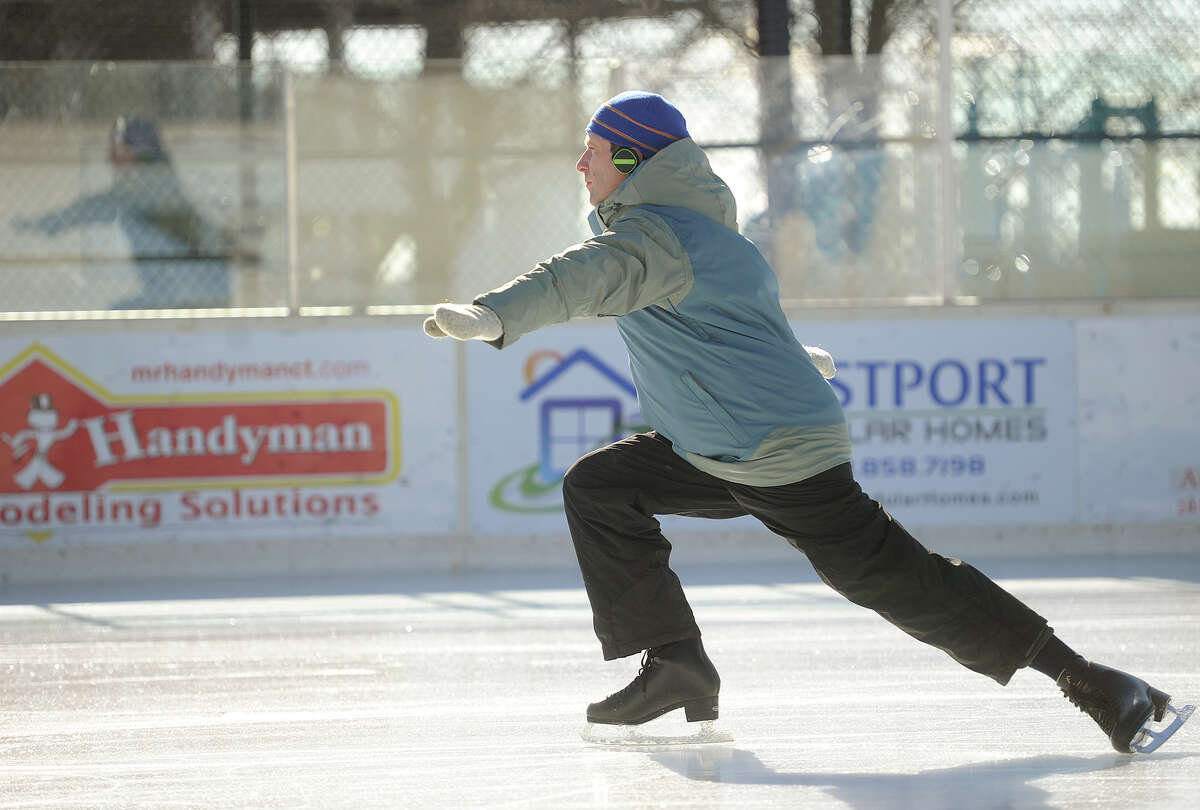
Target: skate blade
[[702, 733], [1149, 739]]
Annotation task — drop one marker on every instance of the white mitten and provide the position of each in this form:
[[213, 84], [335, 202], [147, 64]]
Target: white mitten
[[463, 322], [823, 360]]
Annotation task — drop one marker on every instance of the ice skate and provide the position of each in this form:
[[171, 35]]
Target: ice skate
[[1122, 706], [673, 676]]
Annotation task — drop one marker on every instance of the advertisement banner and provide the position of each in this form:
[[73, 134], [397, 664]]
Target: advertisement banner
[[959, 422], [253, 433], [952, 422], [1139, 404]]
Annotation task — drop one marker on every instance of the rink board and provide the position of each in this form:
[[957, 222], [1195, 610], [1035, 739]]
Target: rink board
[[362, 442], [244, 434], [1045, 422]]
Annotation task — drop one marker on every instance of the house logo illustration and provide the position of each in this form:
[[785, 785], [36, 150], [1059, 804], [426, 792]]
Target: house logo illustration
[[570, 427], [63, 432], [579, 403]]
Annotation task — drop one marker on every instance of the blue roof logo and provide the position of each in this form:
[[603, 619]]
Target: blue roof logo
[[569, 427], [572, 419]]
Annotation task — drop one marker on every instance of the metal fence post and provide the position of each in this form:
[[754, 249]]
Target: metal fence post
[[292, 216], [945, 137]]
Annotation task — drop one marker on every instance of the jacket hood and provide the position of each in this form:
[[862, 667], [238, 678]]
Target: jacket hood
[[680, 176]]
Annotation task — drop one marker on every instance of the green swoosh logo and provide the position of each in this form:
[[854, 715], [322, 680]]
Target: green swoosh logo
[[524, 482]]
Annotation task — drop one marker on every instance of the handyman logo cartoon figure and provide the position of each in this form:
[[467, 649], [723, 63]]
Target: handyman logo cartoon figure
[[65, 437], [41, 435]]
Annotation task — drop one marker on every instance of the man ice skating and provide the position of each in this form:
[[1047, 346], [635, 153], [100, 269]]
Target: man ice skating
[[743, 424]]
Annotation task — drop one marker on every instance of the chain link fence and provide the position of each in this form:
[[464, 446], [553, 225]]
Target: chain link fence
[[382, 156], [1079, 148]]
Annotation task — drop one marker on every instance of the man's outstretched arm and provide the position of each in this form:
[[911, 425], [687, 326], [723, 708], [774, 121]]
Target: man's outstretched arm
[[635, 266]]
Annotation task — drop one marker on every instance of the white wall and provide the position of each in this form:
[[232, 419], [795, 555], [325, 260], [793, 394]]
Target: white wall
[[345, 445]]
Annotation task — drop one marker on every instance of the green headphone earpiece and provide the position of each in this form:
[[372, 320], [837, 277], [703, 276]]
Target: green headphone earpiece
[[626, 159]]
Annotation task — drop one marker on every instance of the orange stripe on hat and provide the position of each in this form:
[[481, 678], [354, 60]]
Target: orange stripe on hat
[[626, 136], [640, 124]]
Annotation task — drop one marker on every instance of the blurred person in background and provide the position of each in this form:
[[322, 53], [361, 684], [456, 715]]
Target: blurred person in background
[[744, 423], [182, 258]]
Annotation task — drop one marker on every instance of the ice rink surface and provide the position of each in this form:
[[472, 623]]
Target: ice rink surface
[[468, 691]]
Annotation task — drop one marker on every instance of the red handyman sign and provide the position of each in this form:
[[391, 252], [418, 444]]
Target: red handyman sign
[[62, 432]]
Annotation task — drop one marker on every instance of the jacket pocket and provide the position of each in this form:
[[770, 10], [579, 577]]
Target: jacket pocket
[[714, 408]]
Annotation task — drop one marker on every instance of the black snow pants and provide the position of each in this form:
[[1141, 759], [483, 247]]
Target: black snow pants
[[612, 495]]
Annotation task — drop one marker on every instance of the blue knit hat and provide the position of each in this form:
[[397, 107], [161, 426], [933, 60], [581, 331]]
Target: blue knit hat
[[139, 136], [643, 121]]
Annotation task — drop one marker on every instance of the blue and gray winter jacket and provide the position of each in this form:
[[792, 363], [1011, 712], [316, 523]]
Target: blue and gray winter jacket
[[717, 368]]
